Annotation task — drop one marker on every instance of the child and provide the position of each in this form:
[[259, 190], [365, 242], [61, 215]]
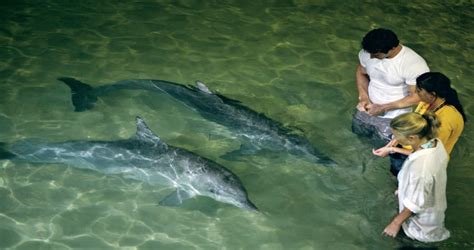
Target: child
[[422, 180]]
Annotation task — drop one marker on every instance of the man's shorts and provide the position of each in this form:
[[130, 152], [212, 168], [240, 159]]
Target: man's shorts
[[374, 127]]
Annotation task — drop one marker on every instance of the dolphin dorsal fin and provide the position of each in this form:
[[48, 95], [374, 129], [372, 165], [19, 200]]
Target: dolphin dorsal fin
[[202, 87], [145, 134]]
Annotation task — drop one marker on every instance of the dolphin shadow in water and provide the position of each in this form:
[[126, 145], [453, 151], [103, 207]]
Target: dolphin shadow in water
[[256, 131], [144, 157]]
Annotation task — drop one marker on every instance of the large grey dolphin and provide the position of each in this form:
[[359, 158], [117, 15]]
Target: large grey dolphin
[[256, 131], [143, 157]]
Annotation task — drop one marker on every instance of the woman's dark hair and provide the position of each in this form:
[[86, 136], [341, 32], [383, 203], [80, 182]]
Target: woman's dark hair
[[379, 41], [440, 85]]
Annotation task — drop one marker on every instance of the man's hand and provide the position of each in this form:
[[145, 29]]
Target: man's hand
[[362, 106], [363, 103], [375, 109]]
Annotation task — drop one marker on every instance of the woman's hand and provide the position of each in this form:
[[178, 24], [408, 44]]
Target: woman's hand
[[385, 150], [392, 229], [382, 152]]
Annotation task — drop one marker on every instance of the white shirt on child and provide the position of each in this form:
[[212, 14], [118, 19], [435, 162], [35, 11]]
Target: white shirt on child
[[422, 189], [390, 77]]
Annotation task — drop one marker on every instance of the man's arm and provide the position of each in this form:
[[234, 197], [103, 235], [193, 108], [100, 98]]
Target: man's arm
[[362, 81], [409, 100]]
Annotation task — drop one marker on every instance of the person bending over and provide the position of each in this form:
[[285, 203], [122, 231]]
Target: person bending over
[[385, 79], [422, 180]]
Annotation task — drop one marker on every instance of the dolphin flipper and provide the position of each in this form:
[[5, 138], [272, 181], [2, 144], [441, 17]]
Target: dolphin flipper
[[245, 149], [176, 198], [145, 134], [5, 154], [83, 97]]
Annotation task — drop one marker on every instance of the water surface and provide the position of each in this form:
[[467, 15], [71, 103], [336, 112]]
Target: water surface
[[291, 60]]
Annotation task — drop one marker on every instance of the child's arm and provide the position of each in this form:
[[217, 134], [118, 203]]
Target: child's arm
[[393, 228]]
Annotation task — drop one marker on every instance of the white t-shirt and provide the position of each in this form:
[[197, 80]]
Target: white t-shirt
[[390, 77], [422, 189]]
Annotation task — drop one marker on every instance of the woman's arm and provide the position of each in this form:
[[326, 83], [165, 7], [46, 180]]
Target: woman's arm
[[390, 148], [393, 228]]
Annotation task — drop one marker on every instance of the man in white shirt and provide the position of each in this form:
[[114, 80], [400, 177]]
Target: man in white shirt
[[386, 81]]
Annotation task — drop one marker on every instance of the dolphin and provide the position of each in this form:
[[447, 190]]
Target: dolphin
[[256, 131], [144, 157]]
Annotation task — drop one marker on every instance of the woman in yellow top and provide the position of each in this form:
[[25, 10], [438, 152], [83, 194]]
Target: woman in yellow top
[[437, 96]]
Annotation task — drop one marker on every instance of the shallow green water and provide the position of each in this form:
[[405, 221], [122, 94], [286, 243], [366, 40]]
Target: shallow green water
[[292, 60]]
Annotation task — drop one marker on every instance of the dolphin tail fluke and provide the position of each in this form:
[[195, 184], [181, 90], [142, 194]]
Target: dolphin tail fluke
[[83, 97], [4, 153]]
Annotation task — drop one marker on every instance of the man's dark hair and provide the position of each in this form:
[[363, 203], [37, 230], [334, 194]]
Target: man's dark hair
[[379, 41]]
